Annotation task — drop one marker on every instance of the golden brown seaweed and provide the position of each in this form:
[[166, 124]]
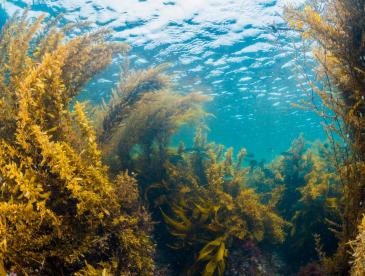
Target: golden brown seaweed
[[337, 28], [208, 208], [60, 211]]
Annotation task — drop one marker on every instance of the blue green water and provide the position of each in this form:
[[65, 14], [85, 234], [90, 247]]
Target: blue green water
[[232, 50]]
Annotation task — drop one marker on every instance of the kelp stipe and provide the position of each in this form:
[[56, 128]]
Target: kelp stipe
[[337, 27], [59, 210]]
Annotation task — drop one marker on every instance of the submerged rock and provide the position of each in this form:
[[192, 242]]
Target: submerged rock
[[249, 260]]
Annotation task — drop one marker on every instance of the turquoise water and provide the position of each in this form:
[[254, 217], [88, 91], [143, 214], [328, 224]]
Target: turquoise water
[[236, 51]]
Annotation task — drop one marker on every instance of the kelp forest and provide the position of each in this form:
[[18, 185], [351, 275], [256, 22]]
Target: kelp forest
[[101, 189]]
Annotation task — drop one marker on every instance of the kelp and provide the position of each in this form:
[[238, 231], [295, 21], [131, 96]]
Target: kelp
[[337, 28], [208, 209], [60, 212]]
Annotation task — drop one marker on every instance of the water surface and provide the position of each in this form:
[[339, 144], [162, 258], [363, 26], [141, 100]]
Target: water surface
[[232, 50]]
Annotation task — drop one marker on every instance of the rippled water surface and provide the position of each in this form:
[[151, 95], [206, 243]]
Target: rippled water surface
[[233, 50]]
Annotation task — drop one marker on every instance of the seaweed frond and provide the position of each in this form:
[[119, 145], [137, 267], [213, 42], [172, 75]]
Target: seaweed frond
[[59, 209], [143, 114], [209, 209]]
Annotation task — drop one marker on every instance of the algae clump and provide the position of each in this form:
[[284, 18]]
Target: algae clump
[[208, 209], [60, 211], [337, 28]]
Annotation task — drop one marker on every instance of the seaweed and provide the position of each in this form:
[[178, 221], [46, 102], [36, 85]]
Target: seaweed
[[61, 212], [136, 125], [132, 87], [72, 175], [208, 209], [304, 188], [337, 28], [358, 251]]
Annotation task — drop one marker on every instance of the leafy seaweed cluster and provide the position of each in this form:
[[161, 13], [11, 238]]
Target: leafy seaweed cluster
[[208, 209], [202, 192], [59, 210], [62, 210], [136, 125], [307, 190], [338, 28], [358, 253]]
